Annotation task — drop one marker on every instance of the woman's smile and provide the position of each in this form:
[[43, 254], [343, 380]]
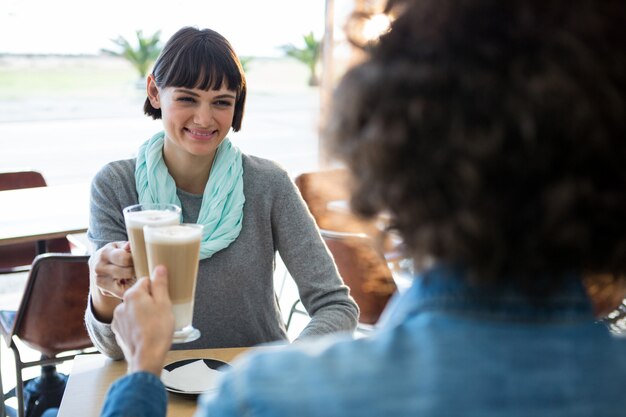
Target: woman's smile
[[201, 134]]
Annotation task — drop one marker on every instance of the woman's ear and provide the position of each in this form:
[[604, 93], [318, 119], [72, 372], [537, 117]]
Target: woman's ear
[[153, 92]]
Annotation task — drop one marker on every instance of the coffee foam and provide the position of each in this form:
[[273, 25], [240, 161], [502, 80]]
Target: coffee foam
[[173, 234], [151, 217]]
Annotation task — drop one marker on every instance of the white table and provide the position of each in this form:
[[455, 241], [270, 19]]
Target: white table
[[35, 214]]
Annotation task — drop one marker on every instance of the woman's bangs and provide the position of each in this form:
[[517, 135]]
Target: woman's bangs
[[200, 67]]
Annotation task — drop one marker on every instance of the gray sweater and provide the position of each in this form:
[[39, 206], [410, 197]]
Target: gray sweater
[[235, 303]]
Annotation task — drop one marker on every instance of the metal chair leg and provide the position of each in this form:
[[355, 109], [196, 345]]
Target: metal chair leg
[[294, 309], [19, 382]]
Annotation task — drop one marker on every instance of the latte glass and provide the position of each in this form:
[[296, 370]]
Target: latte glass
[[177, 247], [139, 215]]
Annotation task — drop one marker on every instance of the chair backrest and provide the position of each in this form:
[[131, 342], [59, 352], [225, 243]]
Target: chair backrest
[[50, 316], [18, 257], [319, 188], [364, 270], [21, 179], [350, 239]]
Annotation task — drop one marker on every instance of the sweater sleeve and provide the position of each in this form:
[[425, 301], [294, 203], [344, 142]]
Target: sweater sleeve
[[102, 335], [112, 189], [140, 394], [321, 289]]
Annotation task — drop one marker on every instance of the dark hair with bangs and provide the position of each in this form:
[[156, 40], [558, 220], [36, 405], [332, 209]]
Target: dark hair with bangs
[[199, 58]]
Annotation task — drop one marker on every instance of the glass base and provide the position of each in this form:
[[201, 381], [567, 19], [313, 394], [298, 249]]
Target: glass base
[[186, 335]]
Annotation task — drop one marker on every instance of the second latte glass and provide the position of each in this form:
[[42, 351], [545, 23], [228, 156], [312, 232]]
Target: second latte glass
[[177, 248]]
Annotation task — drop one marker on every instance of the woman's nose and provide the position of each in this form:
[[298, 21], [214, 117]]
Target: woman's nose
[[204, 115]]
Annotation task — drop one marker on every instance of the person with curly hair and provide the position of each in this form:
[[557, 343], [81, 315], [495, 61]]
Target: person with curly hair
[[492, 133]]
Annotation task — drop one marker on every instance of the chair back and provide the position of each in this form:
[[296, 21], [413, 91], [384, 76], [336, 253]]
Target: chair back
[[320, 189], [21, 179], [364, 270], [50, 316], [19, 256], [350, 239]]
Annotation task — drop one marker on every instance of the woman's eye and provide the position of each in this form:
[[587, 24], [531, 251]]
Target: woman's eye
[[186, 99], [223, 103]]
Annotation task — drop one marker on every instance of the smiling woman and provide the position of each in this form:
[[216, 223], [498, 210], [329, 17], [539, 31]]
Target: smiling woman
[[212, 65], [195, 122], [198, 89], [249, 206]]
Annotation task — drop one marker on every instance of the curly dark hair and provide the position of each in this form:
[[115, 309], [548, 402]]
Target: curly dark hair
[[493, 131]]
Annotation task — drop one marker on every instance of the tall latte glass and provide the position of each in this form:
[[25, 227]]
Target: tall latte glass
[[177, 247], [139, 215]]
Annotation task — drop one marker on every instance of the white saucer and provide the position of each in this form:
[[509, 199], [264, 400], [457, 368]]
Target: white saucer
[[192, 376]]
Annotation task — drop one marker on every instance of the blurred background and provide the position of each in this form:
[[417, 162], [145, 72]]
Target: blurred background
[[69, 104], [72, 76]]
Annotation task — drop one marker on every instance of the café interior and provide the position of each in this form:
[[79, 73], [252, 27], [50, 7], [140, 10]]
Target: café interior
[[45, 346]]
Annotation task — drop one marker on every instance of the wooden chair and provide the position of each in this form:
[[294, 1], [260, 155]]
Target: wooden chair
[[352, 243], [364, 270], [320, 189], [50, 317], [18, 257]]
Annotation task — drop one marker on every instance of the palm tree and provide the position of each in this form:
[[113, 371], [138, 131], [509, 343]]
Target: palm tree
[[245, 62], [141, 57], [309, 55]]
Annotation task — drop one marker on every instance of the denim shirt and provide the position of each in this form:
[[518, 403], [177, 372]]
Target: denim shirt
[[140, 394], [444, 348]]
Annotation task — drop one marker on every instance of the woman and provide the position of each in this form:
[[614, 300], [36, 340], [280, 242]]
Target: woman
[[249, 205]]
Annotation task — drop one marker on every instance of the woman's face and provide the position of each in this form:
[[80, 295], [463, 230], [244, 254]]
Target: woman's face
[[195, 121]]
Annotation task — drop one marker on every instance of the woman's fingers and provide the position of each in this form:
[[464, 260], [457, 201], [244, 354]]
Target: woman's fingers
[[112, 287], [112, 268]]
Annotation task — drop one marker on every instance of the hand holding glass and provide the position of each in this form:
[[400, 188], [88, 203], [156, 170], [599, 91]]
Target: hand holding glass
[[177, 247]]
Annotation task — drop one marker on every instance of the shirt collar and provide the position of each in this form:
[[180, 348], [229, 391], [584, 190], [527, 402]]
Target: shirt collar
[[447, 289]]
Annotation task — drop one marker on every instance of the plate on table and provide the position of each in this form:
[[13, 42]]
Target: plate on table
[[192, 376]]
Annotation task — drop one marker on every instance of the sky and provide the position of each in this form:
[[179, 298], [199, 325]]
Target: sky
[[254, 27]]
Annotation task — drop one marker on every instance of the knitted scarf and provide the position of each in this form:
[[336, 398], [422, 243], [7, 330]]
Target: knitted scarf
[[221, 211]]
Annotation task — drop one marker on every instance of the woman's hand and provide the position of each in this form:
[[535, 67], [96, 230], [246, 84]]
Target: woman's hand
[[112, 269], [144, 323], [111, 274]]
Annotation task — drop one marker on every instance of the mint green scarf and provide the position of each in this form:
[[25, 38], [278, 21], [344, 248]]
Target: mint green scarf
[[221, 211]]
